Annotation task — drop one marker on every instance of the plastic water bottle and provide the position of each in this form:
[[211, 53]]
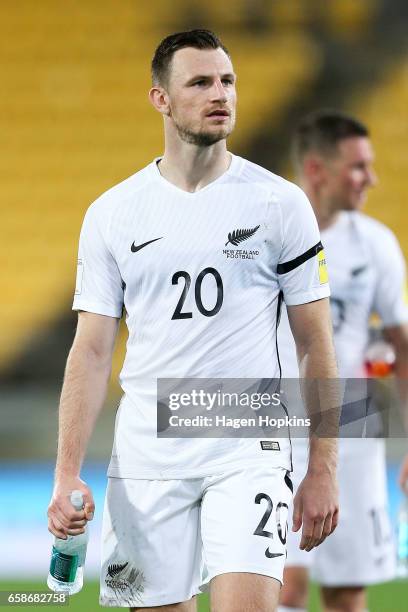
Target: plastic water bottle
[[66, 573], [402, 541]]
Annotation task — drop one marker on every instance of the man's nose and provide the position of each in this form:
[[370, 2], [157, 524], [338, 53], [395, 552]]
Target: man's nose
[[372, 178], [218, 91]]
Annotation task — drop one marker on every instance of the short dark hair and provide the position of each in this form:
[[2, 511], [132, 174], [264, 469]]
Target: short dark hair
[[198, 39], [322, 130]]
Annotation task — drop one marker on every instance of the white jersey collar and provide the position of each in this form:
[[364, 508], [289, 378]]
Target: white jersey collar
[[234, 168]]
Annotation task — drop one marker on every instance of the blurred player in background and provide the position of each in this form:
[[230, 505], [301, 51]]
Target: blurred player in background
[[172, 503], [334, 164]]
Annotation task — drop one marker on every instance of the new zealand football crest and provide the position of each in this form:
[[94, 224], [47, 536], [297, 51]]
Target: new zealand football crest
[[235, 238], [123, 577]]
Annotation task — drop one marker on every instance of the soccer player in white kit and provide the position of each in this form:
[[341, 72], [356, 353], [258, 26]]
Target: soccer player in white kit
[[196, 248], [334, 158]]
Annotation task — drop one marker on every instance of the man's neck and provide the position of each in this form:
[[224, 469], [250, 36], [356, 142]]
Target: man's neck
[[326, 215], [191, 168]]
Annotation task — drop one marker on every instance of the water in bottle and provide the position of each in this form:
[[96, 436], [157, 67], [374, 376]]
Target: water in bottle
[[68, 557]]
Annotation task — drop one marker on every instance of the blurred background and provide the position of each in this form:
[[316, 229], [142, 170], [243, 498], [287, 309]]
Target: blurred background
[[75, 119]]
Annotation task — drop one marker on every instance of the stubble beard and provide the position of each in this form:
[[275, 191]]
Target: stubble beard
[[203, 139]]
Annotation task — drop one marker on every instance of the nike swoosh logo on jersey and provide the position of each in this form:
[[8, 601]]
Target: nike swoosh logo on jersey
[[272, 555], [357, 271], [135, 248]]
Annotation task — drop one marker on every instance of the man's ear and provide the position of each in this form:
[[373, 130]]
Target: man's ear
[[314, 168], [159, 98]]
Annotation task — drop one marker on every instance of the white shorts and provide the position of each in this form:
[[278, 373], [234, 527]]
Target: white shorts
[[163, 540], [361, 550]]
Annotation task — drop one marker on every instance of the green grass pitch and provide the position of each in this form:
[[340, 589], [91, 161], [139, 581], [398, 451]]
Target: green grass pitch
[[391, 597]]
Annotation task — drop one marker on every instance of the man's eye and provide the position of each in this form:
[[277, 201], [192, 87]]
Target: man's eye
[[199, 82], [227, 81]]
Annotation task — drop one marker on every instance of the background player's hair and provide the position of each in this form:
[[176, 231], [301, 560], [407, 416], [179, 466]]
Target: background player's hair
[[321, 131], [198, 39]]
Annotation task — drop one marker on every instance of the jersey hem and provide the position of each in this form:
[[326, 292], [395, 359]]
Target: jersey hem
[[395, 322], [354, 580], [306, 297], [96, 309], [137, 474], [112, 602], [243, 568]]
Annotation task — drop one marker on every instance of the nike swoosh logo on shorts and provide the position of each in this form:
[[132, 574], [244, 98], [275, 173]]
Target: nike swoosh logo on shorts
[[135, 248], [272, 555]]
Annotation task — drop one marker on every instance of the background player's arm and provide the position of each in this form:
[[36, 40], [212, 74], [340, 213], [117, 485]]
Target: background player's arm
[[316, 503], [391, 304], [398, 337], [83, 394]]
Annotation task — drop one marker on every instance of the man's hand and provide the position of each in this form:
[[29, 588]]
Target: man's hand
[[63, 519], [83, 393], [316, 507], [403, 477]]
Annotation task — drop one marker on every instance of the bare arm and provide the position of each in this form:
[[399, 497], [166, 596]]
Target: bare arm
[[316, 503], [83, 394], [398, 337]]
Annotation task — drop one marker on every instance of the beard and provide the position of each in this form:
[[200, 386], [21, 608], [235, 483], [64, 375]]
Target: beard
[[201, 138]]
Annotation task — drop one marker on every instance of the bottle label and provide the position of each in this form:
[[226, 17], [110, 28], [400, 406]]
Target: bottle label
[[63, 567]]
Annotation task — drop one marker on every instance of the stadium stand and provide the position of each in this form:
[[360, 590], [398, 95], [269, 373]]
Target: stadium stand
[[75, 120], [385, 111], [71, 121]]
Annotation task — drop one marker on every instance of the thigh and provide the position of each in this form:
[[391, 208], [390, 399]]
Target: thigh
[[244, 523], [344, 598], [185, 606], [361, 550], [244, 592], [295, 591], [151, 548]]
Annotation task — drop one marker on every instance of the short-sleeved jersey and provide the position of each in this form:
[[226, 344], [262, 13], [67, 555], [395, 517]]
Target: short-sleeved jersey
[[367, 275], [199, 276]]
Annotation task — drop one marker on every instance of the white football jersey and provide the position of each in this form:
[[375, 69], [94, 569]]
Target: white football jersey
[[199, 276], [367, 275]]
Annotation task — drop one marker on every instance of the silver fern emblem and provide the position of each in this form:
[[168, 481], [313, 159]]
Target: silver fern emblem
[[116, 568], [136, 579], [240, 235], [123, 578]]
